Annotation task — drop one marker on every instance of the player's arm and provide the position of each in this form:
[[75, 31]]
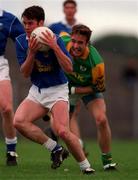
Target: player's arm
[[98, 71], [81, 90], [98, 81], [63, 60], [60, 51], [27, 66]]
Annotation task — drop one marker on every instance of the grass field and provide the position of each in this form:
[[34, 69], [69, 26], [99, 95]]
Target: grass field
[[34, 163]]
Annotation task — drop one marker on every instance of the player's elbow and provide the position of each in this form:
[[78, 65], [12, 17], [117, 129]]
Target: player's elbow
[[25, 73], [69, 68]]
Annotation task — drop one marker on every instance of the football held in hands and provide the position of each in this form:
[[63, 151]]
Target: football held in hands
[[38, 33]]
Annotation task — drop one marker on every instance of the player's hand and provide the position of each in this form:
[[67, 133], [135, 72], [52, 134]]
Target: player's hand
[[34, 46], [49, 40]]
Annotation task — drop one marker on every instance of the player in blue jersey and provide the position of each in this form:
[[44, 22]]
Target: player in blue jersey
[[69, 9], [49, 91], [60, 28], [10, 27]]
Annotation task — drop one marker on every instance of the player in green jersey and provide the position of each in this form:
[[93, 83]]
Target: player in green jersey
[[86, 83]]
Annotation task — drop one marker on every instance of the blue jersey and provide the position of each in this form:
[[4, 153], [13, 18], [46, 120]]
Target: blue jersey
[[60, 27], [46, 71], [10, 27]]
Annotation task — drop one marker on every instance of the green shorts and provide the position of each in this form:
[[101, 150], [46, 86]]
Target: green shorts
[[74, 98]]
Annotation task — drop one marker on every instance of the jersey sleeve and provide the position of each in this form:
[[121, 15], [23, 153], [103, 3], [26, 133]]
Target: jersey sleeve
[[55, 27], [20, 52], [98, 71], [66, 38], [16, 29], [52, 27]]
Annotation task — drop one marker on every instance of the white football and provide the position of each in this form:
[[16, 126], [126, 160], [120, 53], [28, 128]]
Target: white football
[[37, 33]]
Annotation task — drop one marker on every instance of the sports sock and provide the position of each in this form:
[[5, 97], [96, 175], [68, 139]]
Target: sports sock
[[106, 158], [84, 164], [11, 144], [51, 145], [81, 143]]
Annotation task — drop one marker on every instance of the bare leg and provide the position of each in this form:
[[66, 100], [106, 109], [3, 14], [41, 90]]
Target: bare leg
[[61, 127], [98, 110], [26, 113], [6, 109], [74, 127]]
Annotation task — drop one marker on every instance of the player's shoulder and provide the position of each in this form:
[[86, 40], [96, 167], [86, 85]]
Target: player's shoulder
[[95, 55], [21, 38], [55, 24], [65, 37], [57, 27], [8, 15], [64, 34], [92, 48], [21, 41]]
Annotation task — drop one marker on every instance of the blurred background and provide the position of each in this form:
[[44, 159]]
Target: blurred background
[[115, 35]]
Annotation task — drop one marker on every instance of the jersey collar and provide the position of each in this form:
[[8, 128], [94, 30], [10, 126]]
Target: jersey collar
[[85, 54], [64, 21]]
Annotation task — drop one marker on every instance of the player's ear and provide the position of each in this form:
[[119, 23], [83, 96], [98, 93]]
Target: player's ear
[[41, 23]]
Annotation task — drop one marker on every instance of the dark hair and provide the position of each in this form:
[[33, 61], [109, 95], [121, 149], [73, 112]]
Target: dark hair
[[34, 12], [82, 30], [69, 1]]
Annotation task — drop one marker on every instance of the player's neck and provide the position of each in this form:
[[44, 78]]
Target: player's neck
[[71, 22]]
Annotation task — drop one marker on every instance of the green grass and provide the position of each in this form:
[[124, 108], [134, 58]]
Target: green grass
[[34, 163]]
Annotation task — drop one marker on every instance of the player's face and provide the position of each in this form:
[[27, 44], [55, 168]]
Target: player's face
[[78, 45], [30, 25], [69, 11]]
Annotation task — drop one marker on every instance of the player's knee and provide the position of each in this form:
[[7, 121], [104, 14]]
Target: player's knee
[[101, 120], [6, 109], [18, 122], [62, 133]]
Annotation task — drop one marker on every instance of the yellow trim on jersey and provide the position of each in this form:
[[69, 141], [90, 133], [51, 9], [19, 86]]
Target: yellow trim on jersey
[[64, 34], [68, 47], [98, 75]]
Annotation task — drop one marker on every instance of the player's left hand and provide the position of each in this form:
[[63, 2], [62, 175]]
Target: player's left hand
[[49, 40]]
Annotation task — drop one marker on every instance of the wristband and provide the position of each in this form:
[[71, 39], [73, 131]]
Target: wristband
[[72, 90]]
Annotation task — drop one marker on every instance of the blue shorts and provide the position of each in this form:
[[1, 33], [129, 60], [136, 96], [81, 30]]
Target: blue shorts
[[86, 99]]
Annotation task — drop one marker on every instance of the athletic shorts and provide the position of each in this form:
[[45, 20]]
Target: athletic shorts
[[4, 69], [47, 97], [74, 98]]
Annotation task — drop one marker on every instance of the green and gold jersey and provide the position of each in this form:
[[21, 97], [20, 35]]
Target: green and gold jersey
[[88, 70]]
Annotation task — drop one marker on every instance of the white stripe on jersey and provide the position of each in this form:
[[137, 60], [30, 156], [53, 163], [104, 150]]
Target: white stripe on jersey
[[1, 12]]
